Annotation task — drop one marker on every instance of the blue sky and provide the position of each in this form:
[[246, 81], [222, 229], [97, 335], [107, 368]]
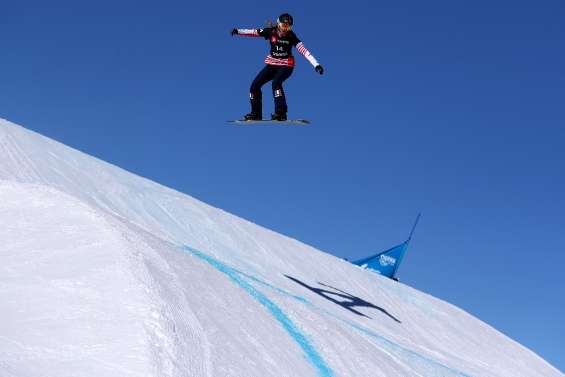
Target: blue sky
[[452, 109]]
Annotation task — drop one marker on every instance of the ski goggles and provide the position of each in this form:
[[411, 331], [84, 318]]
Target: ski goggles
[[284, 26]]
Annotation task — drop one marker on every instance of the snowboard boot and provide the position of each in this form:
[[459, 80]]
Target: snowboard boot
[[252, 116], [278, 117]]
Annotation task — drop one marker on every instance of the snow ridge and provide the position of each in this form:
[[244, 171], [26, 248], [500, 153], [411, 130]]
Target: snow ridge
[[105, 273]]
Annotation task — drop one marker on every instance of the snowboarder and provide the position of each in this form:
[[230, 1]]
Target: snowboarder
[[279, 65]]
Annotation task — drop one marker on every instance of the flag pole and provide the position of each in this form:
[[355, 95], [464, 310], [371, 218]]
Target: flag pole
[[405, 244], [414, 227]]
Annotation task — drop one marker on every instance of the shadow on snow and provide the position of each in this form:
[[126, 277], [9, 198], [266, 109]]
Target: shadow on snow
[[343, 299]]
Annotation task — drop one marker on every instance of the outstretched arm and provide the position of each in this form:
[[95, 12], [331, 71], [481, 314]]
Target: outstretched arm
[[247, 32], [304, 51]]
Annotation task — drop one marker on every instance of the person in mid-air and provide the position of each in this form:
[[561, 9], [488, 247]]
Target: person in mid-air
[[279, 65]]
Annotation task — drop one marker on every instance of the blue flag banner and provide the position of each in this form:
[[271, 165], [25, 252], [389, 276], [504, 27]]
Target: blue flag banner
[[385, 263]]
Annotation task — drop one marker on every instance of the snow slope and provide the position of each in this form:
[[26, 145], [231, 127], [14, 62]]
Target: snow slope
[[104, 273]]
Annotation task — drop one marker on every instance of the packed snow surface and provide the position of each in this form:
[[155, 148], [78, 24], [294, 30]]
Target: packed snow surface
[[105, 273]]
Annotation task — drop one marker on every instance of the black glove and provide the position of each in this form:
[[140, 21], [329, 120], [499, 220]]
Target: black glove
[[234, 32], [320, 69]]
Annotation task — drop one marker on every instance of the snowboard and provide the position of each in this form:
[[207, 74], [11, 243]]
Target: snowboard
[[268, 122]]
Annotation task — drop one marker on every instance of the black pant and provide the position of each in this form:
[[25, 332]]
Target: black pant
[[278, 74]]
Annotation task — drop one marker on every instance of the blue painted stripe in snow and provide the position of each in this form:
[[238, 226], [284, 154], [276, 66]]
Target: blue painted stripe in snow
[[398, 348], [311, 354], [389, 344], [395, 347]]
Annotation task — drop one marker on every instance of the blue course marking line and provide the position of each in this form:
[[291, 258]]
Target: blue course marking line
[[311, 354], [388, 343], [400, 349], [238, 277]]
